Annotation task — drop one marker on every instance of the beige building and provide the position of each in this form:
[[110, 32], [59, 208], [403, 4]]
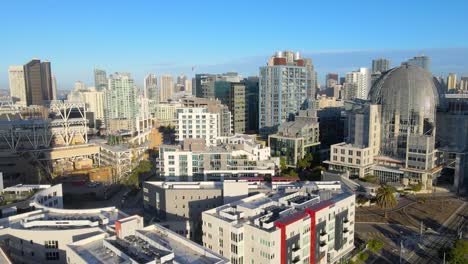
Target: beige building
[[356, 155], [166, 87], [17, 84], [166, 113], [451, 81], [94, 102]]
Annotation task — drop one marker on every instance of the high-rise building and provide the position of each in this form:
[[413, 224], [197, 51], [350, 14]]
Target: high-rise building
[[421, 61], [451, 81], [166, 87], [188, 86], [180, 83], [463, 85], [54, 88], [94, 103], [331, 80], [251, 95], [121, 103], [17, 84], [151, 89], [100, 80], [283, 88], [205, 85], [38, 79], [380, 65], [358, 84]]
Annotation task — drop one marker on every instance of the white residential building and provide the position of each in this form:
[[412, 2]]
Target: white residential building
[[358, 84], [195, 159], [297, 227], [197, 123], [94, 102]]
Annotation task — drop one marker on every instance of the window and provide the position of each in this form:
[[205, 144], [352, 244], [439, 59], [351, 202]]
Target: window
[[51, 244], [52, 255]]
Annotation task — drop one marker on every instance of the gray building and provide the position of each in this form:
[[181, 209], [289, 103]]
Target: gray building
[[204, 86], [38, 80], [421, 61], [233, 95], [151, 89], [380, 65], [296, 138], [452, 136], [179, 205], [100, 80]]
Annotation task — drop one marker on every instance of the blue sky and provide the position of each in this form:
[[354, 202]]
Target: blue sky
[[171, 36]]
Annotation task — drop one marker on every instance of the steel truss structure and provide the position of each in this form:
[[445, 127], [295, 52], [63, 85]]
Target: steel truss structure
[[66, 125]]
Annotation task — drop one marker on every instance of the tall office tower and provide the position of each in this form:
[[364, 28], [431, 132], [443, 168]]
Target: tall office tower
[[151, 89], [205, 85], [180, 83], [166, 87], [451, 81], [283, 89], [251, 95], [463, 85], [17, 84], [311, 78], [421, 61], [358, 84], [100, 80], [121, 103], [331, 80], [54, 87], [38, 79], [380, 65], [233, 95]]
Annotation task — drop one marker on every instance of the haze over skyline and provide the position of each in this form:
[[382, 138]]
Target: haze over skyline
[[162, 37]]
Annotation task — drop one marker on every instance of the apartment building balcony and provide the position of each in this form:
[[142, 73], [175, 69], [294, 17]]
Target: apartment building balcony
[[296, 251]]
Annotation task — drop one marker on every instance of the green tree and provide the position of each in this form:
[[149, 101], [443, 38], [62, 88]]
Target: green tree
[[459, 252], [362, 257], [375, 245], [385, 198], [303, 164], [417, 187], [283, 165]]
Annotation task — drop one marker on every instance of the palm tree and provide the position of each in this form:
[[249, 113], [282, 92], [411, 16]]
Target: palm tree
[[385, 197]]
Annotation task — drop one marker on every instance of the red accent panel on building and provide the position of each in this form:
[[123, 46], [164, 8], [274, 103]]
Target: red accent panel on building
[[300, 62], [279, 61], [285, 179], [311, 211], [118, 227], [312, 237], [282, 228]]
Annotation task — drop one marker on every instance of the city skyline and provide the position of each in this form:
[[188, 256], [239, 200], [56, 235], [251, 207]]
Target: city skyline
[[76, 39], [443, 62]]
